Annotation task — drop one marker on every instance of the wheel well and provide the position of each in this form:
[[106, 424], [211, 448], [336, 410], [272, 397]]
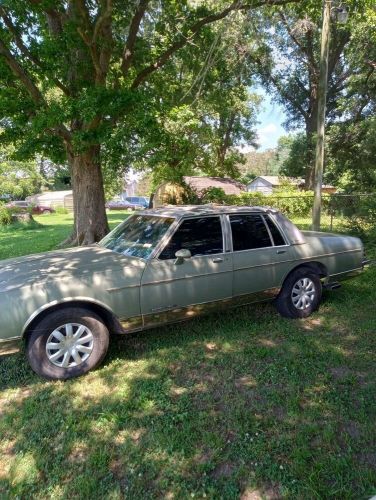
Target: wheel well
[[316, 267], [109, 319]]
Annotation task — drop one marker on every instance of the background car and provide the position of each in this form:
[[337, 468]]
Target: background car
[[26, 206], [123, 205], [142, 201]]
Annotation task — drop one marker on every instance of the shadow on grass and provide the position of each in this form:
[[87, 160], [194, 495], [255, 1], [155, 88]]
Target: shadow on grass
[[242, 403]]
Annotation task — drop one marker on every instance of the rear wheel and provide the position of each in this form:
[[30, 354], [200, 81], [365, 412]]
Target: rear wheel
[[67, 343], [300, 294]]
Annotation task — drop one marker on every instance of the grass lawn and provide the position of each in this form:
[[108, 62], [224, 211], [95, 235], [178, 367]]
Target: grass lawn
[[49, 231], [243, 404]]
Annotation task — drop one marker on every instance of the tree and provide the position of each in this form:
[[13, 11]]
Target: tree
[[288, 64], [70, 70], [18, 179], [204, 112]]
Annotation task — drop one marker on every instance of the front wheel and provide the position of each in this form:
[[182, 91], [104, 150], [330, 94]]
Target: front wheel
[[67, 343], [300, 294]]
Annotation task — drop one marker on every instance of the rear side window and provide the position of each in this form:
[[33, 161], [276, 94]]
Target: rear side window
[[202, 236], [249, 232], [276, 235]]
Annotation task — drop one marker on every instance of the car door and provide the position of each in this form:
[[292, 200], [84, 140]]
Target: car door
[[261, 255], [170, 290]]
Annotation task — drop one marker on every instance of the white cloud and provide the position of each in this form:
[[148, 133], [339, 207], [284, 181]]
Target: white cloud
[[270, 128]]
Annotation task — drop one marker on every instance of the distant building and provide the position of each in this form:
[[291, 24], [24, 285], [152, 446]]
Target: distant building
[[266, 184], [170, 192], [53, 199]]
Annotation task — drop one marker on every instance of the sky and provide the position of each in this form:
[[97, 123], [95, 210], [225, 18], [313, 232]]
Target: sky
[[270, 127]]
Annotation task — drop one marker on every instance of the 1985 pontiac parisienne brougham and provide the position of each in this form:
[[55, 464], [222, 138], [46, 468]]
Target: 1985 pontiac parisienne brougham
[[161, 266]]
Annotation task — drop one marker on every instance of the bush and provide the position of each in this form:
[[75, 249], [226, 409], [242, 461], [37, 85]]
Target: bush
[[360, 215], [5, 216], [291, 203], [213, 195], [61, 210]]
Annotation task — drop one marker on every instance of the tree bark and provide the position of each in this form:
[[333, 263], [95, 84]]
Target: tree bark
[[90, 219], [310, 130], [310, 160]]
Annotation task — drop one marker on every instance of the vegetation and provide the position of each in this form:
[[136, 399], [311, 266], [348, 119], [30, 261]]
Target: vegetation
[[18, 179], [77, 75], [238, 403], [288, 64], [47, 233]]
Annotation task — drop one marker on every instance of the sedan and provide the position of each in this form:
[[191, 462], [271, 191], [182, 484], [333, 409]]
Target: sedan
[[162, 266], [25, 206], [123, 205]]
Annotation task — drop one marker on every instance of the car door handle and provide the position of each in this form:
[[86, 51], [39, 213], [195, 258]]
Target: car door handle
[[216, 260], [281, 251]]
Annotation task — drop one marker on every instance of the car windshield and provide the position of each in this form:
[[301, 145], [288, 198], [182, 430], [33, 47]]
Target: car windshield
[[137, 236]]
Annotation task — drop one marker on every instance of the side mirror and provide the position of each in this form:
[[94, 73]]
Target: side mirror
[[181, 255]]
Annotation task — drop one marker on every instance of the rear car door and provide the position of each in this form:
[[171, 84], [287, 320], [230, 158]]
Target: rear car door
[[261, 255], [172, 291]]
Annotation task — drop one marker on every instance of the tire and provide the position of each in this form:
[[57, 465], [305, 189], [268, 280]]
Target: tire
[[290, 304], [46, 212], [47, 353]]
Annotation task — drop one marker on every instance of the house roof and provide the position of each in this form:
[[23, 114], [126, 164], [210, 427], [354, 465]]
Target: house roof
[[276, 180], [229, 186]]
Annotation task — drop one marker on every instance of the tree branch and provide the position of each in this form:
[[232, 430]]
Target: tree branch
[[31, 88], [20, 73], [305, 51], [182, 40], [90, 34], [132, 35], [22, 47]]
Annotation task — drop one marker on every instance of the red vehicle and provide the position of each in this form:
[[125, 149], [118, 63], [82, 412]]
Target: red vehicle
[[22, 206]]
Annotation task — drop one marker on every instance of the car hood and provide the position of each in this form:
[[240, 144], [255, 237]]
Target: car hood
[[81, 262]]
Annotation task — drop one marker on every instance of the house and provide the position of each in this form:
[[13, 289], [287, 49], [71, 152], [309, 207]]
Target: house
[[53, 199], [170, 192], [266, 184]]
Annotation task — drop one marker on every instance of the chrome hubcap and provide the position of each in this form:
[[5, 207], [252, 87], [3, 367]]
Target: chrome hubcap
[[303, 293], [69, 345]]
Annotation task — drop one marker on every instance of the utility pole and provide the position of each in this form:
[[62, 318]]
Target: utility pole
[[322, 90]]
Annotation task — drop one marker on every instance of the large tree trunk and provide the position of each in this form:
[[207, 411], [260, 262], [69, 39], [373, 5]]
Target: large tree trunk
[[90, 220]]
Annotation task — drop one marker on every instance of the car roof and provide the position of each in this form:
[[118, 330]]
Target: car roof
[[293, 234], [179, 211]]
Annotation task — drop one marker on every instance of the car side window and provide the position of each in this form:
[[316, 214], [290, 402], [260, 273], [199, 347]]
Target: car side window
[[275, 232], [249, 232], [202, 236]]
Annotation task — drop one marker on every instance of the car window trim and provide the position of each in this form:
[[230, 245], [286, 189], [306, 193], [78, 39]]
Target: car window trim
[[251, 249], [180, 222], [275, 222]]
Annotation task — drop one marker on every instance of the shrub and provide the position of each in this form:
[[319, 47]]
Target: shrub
[[213, 195], [61, 210], [292, 203], [360, 215], [5, 216]]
